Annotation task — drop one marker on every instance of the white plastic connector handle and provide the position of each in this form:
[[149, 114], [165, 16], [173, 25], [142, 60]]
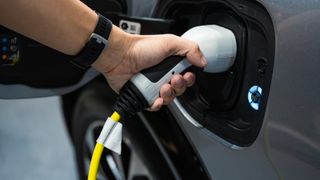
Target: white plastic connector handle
[[218, 45]]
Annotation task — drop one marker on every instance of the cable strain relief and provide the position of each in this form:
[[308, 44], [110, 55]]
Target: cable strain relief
[[130, 101]]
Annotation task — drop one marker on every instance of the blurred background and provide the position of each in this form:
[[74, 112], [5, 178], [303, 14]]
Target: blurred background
[[34, 143]]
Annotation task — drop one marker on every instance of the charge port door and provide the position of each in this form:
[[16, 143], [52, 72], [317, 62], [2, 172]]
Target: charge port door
[[231, 104]]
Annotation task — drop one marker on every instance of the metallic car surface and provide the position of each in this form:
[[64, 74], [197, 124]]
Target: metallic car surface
[[288, 144], [292, 118]]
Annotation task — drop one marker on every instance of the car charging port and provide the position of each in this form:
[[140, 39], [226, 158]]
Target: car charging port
[[227, 103]]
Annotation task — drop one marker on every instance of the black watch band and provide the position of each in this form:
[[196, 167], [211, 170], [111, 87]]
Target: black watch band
[[95, 45]]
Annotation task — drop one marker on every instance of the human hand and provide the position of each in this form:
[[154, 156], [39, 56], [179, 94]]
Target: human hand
[[128, 54]]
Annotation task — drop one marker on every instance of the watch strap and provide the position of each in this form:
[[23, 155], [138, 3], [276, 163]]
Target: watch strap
[[95, 45]]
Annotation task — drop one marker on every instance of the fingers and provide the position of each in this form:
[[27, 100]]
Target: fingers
[[156, 105], [178, 84], [190, 78], [167, 93], [176, 87], [195, 56]]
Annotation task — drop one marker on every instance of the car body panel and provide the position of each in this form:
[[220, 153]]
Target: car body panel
[[224, 161], [292, 123], [288, 144]]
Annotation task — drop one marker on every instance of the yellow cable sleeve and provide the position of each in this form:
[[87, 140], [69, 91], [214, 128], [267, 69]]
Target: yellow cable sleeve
[[95, 161], [115, 116], [97, 152]]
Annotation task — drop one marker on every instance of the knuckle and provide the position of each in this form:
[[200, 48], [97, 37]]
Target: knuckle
[[195, 46], [171, 36]]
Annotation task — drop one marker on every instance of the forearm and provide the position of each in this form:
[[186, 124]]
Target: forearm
[[64, 25]]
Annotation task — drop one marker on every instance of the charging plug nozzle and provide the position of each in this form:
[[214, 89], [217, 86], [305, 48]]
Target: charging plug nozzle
[[218, 46]]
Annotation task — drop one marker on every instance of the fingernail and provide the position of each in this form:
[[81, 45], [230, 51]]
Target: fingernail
[[179, 83]]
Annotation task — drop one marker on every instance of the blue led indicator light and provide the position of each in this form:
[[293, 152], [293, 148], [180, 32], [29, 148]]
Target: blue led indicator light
[[4, 48], [254, 97]]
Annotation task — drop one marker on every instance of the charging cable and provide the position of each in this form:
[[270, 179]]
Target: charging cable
[[218, 46], [98, 149]]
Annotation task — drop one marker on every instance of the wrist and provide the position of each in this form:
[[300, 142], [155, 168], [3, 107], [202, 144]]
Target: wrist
[[111, 56]]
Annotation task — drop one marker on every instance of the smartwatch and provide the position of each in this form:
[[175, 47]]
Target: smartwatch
[[95, 45]]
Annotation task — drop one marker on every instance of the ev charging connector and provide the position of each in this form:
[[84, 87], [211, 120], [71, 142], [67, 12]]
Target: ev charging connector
[[218, 46]]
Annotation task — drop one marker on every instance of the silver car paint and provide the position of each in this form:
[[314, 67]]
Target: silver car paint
[[288, 146], [292, 120]]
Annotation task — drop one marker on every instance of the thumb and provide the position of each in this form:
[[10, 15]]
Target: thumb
[[190, 49]]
